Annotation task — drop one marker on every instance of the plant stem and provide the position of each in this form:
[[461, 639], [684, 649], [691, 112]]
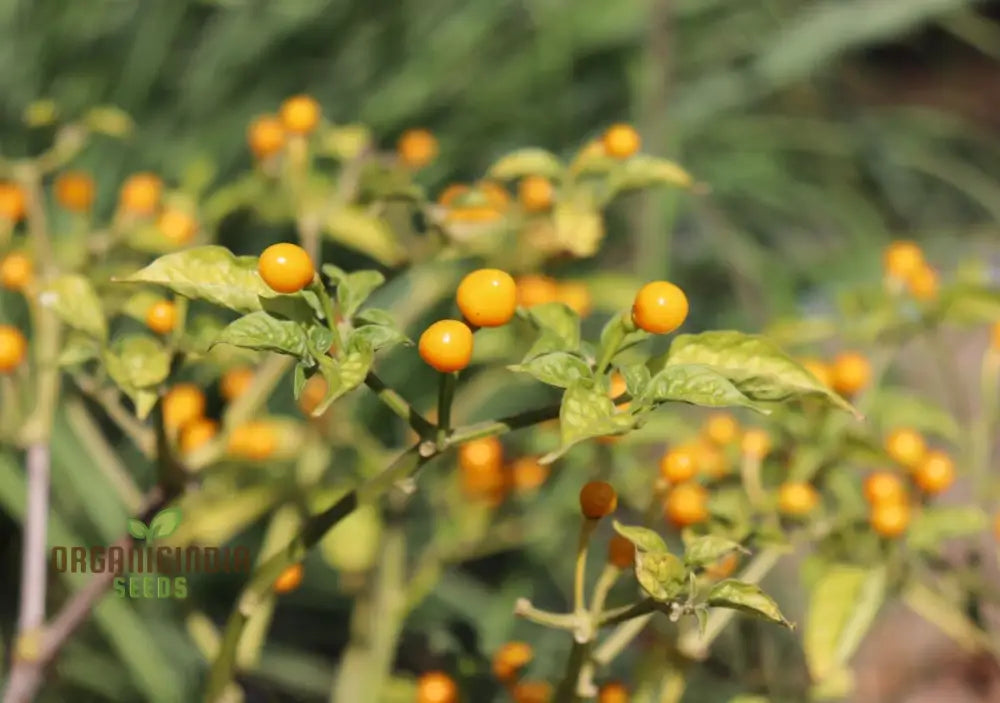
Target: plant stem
[[751, 479], [141, 436], [559, 621], [619, 639], [446, 394], [503, 425], [331, 318], [398, 405], [33, 578], [26, 675], [627, 612], [695, 645], [984, 427], [587, 528]]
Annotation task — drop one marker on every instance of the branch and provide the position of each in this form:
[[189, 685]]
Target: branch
[[27, 673]]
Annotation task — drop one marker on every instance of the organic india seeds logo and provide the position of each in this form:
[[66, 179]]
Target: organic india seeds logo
[[145, 570]]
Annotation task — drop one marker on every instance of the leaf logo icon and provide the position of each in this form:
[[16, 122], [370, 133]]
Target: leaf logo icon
[[163, 524]]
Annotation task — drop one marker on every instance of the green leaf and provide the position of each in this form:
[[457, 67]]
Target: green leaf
[[559, 369], [642, 171], [260, 331], [78, 348], [747, 598], [73, 299], [355, 227], [298, 380], [617, 336], [842, 605], [579, 226], [379, 337], [708, 549], [353, 288], [661, 574], [636, 377], [137, 528], [698, 385], [345, 376], [320, 337], [935, 524], [139, 304], [559, 329], [526, 162], [165, 523], [587, 412], [755, 365], [210, 273], [137, 361], [643, 538]]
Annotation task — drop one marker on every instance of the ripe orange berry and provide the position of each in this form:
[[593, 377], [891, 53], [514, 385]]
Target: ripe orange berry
[[890, 519], [575, 295], [13, 348], [452, 193], [254, 441], [723, 568], [235, 382], [177, 226], [286, 268], [883, 487], [721, 428], [614, 692], [598, 499], [446, 346], [532, 692], [496, 195], [660, 307], [687, 504], [12, 202], [140, 194], [75, 191], [16, 271], [995, 337], [905, 446], [510, 659], [436, 687], [822, 371], [618, 385], [487, 297], [417, 148], [300, 114], [535, 193], [621, 552], [197, 433], [162, 317], [535, 290], [923, 284], [851, 373], [266, 136], [756, 443], [312, 394], [527, 474], [182, 404], [935, 473], [797, 498], [289, 579], [621, 141], [485, 453], [901, 258], [679, 464]]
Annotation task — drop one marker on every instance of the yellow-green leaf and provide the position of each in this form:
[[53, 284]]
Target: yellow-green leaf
[[75, 302], [747, 598], [526, 162], [356, 228]]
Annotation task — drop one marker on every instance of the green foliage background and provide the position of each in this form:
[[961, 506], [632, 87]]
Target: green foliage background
[[770, 102]]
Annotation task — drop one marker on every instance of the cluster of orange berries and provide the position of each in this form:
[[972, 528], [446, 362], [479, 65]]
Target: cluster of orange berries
[[931, 470], [710, 455], [73, 190], [484, 476], [849, 373], [184, 415], [535, 289], [298, 116], [482, 202], [904, 265]]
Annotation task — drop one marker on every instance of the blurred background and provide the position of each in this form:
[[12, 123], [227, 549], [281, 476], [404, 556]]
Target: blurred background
[[824, 128]]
